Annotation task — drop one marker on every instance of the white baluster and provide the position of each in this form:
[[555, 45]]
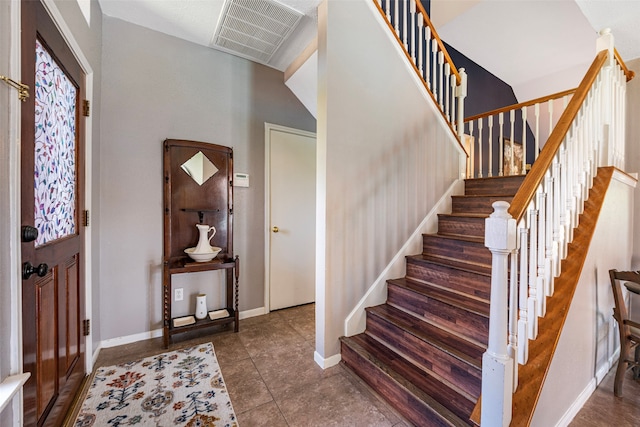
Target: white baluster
[[447, 73], [420, 44], [524, 141], [427, 56], [452, 107], [441, 76], [501, 144], [490, 173], [434, 64], [513, 348], [497, 366], [480, 158], [524, 282], [387, 9], [542, 232], [557, 223], [412, 10], [564, 181], [404, 25], [537, 136], [523, 296], [472, 163], [461, 94], [533, 261], [549, 244], [532, 324], [512, 119]]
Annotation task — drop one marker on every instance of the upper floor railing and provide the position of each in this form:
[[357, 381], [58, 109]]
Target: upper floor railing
[[414, 31], [506, 141], [529, 238]]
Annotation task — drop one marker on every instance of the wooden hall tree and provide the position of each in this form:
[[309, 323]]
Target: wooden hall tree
[[198, 190]]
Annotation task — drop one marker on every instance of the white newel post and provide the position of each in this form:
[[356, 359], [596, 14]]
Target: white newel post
[[497, 365]]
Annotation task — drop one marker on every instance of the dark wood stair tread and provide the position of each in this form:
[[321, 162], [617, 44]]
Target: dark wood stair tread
[[451, 406], [451, 343], [459, 238], [465, 265], [469, 303]]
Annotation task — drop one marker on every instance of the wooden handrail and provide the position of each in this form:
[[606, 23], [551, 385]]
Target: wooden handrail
[[627, 72], [535, 176], [520, 105], [435, 35]]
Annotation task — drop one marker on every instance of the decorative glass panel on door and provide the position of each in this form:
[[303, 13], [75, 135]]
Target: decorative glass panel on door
[[55, 150]]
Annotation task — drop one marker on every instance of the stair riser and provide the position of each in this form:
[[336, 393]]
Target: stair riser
[[470, 283], [463, 375], [461, 226], [504, 185], [402, 401], [462, 322], [477, 205], [475, 252]]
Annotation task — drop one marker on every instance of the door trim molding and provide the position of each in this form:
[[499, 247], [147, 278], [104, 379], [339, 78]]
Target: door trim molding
[[268, 127], [73, 44], [13, 337]]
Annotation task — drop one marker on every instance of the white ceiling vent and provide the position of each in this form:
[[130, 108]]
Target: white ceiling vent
[[254, 29]]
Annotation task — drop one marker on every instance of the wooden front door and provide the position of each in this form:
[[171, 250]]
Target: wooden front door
[[51, 202]]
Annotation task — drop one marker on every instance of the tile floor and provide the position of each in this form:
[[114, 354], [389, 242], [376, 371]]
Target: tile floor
[[273, 380]]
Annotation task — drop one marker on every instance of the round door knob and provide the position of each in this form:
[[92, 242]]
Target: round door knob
[[27, 270], [275, 229]]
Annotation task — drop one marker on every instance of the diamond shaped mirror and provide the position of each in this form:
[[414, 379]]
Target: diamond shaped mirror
[[199, 167]]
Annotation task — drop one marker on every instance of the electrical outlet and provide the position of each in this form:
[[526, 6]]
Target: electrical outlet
[[178, 294]]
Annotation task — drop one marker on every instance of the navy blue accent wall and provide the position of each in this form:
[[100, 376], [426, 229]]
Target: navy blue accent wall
[[427, 6], [487, 92]]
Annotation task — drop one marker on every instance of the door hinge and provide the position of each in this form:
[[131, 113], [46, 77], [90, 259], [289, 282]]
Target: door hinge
[[85, 218], [86, 108], [86, 327]]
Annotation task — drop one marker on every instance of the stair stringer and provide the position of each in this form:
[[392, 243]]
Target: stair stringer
[[377, 293]]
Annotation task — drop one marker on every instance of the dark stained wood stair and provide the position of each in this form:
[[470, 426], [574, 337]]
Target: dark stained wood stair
[[422, 349]]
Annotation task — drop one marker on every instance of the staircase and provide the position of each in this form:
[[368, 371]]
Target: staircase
[[422, 349]]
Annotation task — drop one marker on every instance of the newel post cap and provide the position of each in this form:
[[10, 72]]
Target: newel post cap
[[500, 229]]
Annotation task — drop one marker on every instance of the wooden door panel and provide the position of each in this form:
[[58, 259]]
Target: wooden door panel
[[71, 350], [46, 315]]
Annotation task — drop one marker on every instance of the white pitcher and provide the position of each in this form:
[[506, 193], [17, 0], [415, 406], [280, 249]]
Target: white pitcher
[[204, 242]]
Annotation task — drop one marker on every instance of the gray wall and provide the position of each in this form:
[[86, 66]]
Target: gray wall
[[633, 149], [384, 159], [156, 87]]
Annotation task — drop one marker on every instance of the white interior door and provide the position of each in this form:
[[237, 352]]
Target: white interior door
[[291, 216]]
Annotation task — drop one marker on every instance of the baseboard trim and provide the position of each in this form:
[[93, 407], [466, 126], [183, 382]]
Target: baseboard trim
[[328, 362], [114, 342], [582, 398], [577, 404], [253, 312]]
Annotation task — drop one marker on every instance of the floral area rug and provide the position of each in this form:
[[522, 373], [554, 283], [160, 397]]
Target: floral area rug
[[178, 388]]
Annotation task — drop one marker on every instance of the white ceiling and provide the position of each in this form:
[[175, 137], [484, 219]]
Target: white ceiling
[[523, 42]]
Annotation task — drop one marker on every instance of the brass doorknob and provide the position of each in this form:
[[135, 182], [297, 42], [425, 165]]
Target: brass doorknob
[[275, 229]]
